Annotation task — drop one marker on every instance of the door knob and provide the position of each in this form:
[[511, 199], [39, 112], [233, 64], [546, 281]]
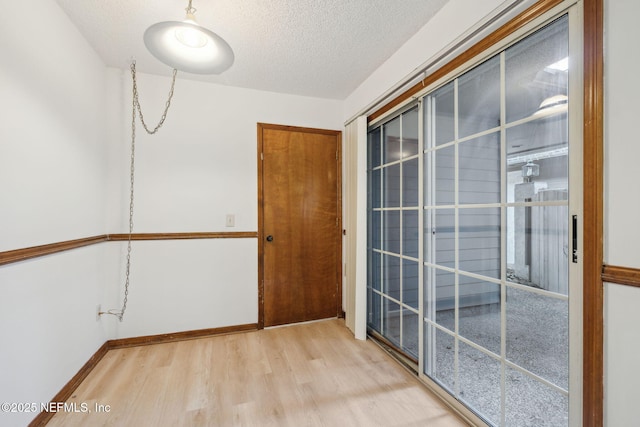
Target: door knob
[[269, 238]]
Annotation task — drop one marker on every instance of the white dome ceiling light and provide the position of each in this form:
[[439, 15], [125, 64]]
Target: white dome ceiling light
[[186, 46]]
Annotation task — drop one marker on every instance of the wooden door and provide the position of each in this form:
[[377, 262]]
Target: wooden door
[[299, 224]]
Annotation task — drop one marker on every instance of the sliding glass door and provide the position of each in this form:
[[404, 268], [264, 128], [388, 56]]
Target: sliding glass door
[[393, 260], [469, 232]]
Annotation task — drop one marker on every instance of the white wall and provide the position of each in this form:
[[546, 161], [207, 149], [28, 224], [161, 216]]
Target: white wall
[[622, 149], [622, 347], [64, 153], [185, 285], [52, 182], [200, 166], [52, 172], [622, 207], [48, 328]]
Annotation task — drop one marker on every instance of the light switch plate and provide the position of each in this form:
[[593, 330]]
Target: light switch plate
[[231, 220]]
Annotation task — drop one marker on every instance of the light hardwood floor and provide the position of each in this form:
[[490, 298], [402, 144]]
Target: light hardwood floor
[[312, 374]]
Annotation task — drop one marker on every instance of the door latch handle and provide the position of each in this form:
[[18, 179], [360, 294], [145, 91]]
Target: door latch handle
[[574, 249], [269, 238]]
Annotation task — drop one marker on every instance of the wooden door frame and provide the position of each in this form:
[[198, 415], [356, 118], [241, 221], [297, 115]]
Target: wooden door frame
[[261, 237], [593, 205]]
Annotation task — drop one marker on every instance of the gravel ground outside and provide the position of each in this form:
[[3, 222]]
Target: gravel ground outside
[[536, 340]]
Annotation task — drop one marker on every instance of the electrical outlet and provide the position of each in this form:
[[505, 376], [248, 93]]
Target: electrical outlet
[[98, 311], [231, 220]]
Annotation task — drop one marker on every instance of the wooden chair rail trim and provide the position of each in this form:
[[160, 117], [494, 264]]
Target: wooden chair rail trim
[[67, 391], [183, 236], [621, 275], [23, 254], [17, 255]]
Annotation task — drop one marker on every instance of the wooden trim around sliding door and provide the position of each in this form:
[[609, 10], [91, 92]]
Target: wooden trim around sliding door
[[593, 173]]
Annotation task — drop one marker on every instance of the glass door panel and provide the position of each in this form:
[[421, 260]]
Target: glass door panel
[[391, 231], [476, 367], [441, 238], [439, 297], [391, 321], [391, 277], [391, 143], [441, 351], [479, 170], [536, 69], [391, 186], [410, 190], [440, 114], [394, 233], [479, 249], [532, 403], [479, 317], [538, 335], [443, 191], [410, 333], [479, 98], [410, 146], [410, 233], [410, 284]]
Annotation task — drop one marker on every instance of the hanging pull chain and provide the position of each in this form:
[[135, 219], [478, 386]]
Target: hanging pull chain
[[136, 104], [135, 107]]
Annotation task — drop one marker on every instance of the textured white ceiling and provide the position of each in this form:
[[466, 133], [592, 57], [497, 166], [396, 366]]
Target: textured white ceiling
[[321, 48]]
